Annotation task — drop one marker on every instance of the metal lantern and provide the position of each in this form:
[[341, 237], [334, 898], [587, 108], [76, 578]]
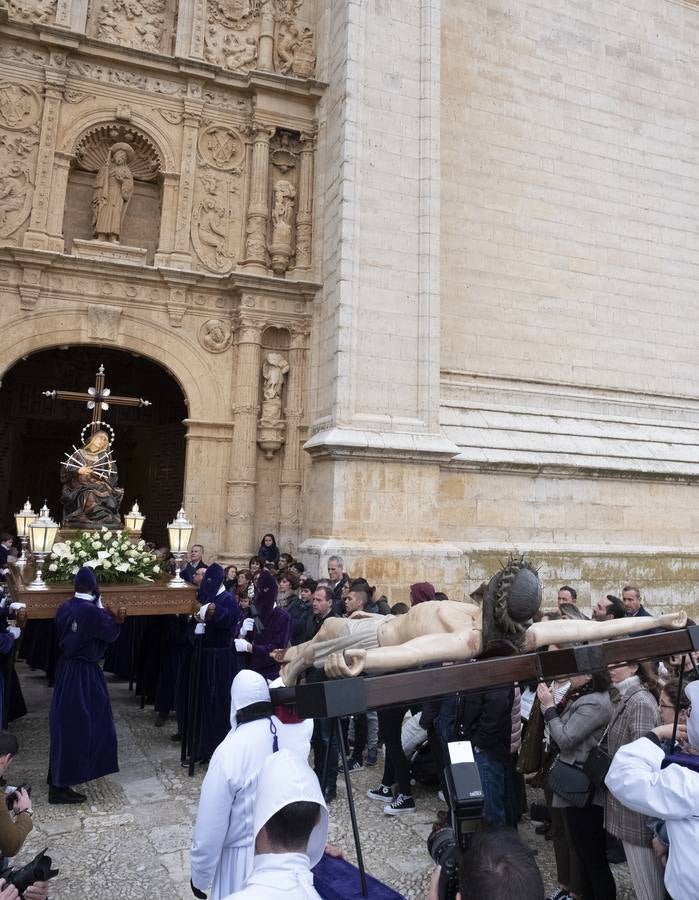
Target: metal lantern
[[179, 534], [42, 534], [134, 519], [23, 518]]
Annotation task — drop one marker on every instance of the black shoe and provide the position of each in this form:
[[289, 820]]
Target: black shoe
[[330, 794], [65, 795], [176, 737], [544, 828], [160, 720]]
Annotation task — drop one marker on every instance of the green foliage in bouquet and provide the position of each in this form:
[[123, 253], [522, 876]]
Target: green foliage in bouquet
[[112, 554]]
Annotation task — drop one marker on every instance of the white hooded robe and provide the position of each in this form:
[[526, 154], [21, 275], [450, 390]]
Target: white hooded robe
[[223, 842], [285, 779]]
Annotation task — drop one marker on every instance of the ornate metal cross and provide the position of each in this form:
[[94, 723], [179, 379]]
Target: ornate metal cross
[[98, 399]]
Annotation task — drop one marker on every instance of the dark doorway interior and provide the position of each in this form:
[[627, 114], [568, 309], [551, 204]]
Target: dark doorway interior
[[35, 432]]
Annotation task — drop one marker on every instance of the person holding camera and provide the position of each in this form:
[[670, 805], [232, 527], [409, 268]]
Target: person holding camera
[[15, 823], [497, 866]]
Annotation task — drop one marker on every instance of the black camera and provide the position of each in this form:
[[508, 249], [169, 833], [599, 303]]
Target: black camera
[[465, 797], [39, 869], [12, 794]]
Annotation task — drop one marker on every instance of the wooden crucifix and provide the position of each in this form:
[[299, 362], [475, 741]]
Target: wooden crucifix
[[98, 399]]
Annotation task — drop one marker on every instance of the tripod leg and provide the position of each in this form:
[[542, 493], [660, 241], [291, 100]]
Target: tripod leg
[[353, 812]]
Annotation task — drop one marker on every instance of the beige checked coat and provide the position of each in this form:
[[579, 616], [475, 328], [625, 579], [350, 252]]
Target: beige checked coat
[[635, 714]]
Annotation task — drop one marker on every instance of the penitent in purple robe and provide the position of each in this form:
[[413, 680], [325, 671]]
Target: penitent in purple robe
[[272, 629], [83, 737]]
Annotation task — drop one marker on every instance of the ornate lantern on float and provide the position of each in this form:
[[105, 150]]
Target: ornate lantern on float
[[134, 519], [42, 535], [179, 533], [23, 519]]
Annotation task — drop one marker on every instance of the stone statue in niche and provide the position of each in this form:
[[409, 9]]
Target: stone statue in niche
[[282, 222], [113, 192], [270, 436]]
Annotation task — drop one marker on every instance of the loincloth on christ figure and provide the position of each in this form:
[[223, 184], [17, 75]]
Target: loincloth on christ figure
[[361, 634]]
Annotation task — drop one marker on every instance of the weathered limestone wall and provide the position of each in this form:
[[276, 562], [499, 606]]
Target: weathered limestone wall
[[569, 281]]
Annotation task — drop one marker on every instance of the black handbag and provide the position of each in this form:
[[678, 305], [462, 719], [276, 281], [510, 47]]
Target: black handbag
[[571, 784], [597, 765]]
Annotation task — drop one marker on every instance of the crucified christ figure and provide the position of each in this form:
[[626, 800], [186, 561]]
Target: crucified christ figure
[[451, 632]]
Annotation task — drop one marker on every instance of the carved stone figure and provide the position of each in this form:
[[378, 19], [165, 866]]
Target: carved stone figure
[[239, 56], [39, 11], [215, 336], [282, 222], [15, 197], [113, 192], [450, 632], [274, 368], [91, 495], [151, 32], [294, 49]]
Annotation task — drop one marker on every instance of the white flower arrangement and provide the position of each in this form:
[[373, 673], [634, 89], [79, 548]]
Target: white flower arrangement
[[111, 554]]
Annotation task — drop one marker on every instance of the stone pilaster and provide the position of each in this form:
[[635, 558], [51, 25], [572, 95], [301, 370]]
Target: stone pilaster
[[168, 218], [191, 24], [304, 213], [181, 255], [59, 187], [258, 206], [37, 237], [240, 519], [291, 474], [72, 14]]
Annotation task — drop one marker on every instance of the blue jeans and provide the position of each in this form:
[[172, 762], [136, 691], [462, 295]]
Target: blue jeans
[[324, 743], [492, 773]]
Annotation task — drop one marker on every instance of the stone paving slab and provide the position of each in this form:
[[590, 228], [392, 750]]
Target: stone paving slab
[[130, 841]]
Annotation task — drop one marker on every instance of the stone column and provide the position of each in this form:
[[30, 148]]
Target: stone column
[[59, 189], [258, 206], [265, 47], [181, 255], [304, 213], [240, 518], [36, 236], [291, 474]]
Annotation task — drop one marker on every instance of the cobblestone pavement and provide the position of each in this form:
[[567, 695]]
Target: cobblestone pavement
[[131, 839]]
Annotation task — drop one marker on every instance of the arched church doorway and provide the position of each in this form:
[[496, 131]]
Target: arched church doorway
[[36, 432]]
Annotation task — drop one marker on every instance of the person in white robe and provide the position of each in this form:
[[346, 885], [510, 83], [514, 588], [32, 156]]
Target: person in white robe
[[637, 779], [223, 843], [291, 830]]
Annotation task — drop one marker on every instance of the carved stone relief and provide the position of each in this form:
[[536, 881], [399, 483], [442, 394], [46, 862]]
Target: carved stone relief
[[103, 322], [41, 12], [217, 213], [215, 335], [271, 426], [20, 109], [232, 37], [144, 24], [20, 106], [282, 225]]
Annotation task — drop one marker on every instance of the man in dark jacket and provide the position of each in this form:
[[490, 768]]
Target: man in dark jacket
[[338, 579], [324, 740], [485, 719]]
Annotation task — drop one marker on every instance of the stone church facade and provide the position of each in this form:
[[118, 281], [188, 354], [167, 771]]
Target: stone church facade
[[424, 270]]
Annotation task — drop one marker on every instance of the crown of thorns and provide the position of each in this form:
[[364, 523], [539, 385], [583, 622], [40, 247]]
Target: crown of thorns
[[516, 586]]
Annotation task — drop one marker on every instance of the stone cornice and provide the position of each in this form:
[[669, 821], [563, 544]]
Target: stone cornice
[[186, 68], [353, 443]]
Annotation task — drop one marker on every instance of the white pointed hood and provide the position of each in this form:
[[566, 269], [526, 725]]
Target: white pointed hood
[[248, 687], [286, 778], [692, 691]]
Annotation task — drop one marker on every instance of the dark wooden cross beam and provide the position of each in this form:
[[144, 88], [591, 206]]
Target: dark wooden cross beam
[[98, 399], [351, 696]]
